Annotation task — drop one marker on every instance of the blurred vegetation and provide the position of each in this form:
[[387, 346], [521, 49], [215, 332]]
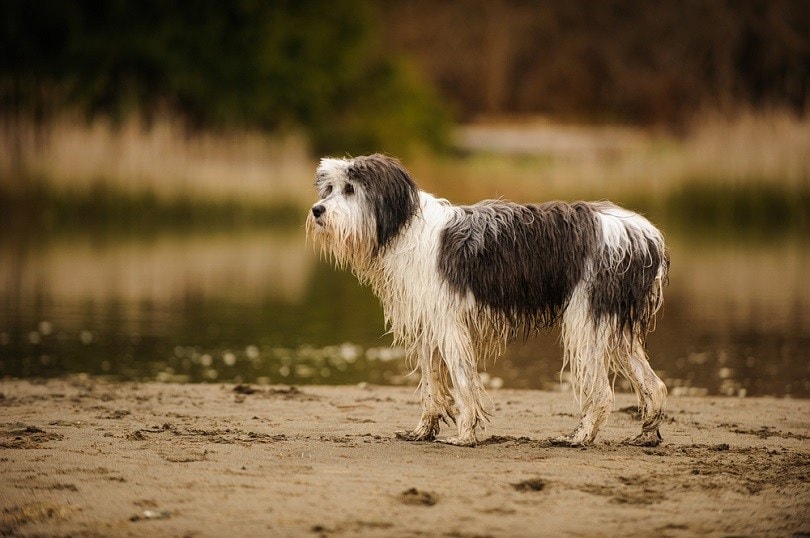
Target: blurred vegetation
[[751, 211], [341, 70], [184, 106], [756, 211], [284, 65], [610, 60], [38, 211]]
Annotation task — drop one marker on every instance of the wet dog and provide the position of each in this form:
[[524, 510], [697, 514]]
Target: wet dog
[[457, 283]]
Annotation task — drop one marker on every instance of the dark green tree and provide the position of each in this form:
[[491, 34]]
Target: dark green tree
[[274, 65]]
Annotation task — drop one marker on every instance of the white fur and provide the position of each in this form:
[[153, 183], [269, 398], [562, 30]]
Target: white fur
[[448, 332]]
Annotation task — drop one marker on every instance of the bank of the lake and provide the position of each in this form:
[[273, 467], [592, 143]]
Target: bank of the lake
[[80, 456]]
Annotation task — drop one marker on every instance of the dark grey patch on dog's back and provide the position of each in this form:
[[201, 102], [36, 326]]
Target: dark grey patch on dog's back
[[391, 192], [521, 261]]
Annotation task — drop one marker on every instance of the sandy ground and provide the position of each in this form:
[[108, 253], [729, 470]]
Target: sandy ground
[[83, 457]]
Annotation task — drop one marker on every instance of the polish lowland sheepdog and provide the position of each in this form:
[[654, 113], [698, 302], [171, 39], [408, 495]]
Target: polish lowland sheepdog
[[457, 283]]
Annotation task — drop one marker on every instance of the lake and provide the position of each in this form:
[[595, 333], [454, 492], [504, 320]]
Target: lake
[[260, 307]]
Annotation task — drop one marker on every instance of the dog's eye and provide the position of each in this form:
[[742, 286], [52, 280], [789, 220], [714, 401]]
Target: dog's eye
[[327, 191], [348, 190]]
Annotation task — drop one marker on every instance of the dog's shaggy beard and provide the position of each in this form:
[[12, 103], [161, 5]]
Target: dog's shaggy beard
[[344, 234]]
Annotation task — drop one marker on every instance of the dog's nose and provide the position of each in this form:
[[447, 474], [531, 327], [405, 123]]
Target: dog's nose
[[318, 210]]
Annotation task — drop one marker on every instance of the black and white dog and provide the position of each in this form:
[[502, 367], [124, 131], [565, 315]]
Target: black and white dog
[[459, 282]]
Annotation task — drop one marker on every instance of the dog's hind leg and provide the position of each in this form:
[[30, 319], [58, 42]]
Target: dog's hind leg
[[592, 386], [437, 403], [586, 345], [650, 390]]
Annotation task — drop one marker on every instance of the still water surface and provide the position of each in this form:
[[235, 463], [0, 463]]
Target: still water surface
[[260, 307]]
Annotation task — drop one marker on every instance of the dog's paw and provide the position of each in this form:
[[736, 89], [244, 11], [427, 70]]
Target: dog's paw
[[458, 441], [407, 435], [646, 438], [569, 441]]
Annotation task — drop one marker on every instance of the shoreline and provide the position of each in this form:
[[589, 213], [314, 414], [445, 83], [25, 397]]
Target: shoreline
[[81, 456]]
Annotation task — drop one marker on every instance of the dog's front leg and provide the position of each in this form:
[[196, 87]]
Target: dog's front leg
[[437, 403], [467, 388]]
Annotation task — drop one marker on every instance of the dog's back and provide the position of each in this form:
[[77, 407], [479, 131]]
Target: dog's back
[[524, 262]]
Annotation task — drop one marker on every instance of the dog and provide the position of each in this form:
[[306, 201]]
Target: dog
[[457, 283]]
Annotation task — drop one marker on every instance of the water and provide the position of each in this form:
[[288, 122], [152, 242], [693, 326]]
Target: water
[[260, 307]]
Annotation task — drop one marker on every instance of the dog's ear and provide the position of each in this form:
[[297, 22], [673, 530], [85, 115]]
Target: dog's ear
[[390, 190]]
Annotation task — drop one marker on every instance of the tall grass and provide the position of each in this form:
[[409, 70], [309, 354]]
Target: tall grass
[[723, 171], [743, 176], [551, 161], [162, 158]]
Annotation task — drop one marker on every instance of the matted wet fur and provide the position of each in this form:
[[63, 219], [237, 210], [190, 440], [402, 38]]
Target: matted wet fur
[[459, 282]]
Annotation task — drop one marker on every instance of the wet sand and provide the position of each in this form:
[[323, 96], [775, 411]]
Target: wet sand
[[84, 457]]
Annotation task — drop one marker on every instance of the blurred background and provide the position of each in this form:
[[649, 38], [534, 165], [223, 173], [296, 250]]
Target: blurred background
[[157, 161]]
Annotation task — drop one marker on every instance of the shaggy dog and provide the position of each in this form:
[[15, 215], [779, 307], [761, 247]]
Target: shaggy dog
[[457, 283]]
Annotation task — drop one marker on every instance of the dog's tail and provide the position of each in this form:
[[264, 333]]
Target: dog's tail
[[630, 272]]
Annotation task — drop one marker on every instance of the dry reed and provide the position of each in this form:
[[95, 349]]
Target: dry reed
[[526, 160], [162, 158], [550, 161]]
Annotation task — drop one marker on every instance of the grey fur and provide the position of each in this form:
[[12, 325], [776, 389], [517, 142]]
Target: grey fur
[[391, 191], [523, 262]]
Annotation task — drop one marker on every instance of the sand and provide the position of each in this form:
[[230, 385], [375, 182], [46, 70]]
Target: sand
[[85, 457]]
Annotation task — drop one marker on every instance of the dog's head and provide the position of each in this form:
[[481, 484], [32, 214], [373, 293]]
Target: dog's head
[[365, 203]]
